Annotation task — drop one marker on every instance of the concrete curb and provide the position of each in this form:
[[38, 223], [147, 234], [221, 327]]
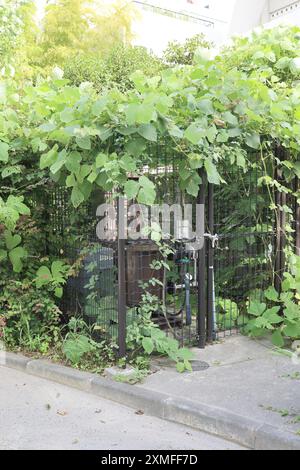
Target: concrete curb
[[214, 420]]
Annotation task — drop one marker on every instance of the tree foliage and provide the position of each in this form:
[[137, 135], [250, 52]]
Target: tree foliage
[[184, 53], [73, 27], [15, 25], [113, 70]]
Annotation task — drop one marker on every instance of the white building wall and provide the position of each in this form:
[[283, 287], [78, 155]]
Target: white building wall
[[155, 30], [249, 14]]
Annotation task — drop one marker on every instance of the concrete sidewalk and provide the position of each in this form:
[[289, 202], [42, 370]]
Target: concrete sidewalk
[[244, 377]]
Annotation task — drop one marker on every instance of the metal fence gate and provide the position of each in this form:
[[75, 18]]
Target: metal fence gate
[[206, 292]]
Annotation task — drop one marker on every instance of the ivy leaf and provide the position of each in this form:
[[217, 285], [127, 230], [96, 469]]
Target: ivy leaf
[[56, 167], [212, 172], [4, 148], [206, 106], [180, 366], [58, 292], [16, 256], [11, 170], [295, 65], [256, 308], [16, 203], [140, 113], [127, 163], [131, 189], [253, 141], [70, 181], [271, 294], [271, 315], [3, 255], [194, 133], [75, 348], [230, 119], [277, 338], [136, 147], [186, 354], [148, 132], [73, 161], [12, 241], [148, 345], [67, 115], [99, 106], [43, 276], [211, 134], [49, 158], [101, 159], [292, 330], [192, 184], [147, 196], [77, 197], [84, 142]]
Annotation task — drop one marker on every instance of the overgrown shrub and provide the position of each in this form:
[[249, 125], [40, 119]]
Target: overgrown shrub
[[29, 317], [114, 69]]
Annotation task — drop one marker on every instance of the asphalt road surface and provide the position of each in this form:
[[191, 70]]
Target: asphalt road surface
[[39, 414]]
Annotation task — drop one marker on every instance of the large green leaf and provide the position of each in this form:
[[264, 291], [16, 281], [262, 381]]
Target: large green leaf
[[12, 241], [67, 115], [131, 189], [49, 158], [4, 148], [206, 106], [277, 339], [195, 133], [84, 142], [257, 308], [75, 348], [73, 161], [136, 147], [77, 197], [43, 276], [212, 172], [16, 255], [253, 141], [271, 294], [148, 132], [148, 345]]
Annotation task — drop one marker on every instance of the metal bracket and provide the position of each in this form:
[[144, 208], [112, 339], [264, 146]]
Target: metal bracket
[[214, 239]]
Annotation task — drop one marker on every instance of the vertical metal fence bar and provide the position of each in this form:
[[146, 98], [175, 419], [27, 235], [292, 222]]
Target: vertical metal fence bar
[[297, 220], [210, 267], [280, 199], [201, 281], [121, 281]]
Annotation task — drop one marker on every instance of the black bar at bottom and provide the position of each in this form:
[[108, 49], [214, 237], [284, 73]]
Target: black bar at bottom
[[201, 318], [121, 285], [210, 267]]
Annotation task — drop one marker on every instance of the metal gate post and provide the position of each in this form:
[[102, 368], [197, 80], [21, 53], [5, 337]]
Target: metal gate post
[[297, 220], [280, 199], [201, 277], [121, 279], [210, 267]]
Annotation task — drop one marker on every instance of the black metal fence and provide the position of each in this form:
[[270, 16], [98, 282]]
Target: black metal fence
[[204, 293]]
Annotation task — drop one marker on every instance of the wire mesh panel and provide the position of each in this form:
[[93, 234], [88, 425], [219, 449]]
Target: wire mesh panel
[[245, 253], [91, 290]]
